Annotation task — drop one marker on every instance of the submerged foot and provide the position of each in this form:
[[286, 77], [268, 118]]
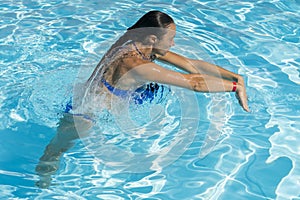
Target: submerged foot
[[44, 182], [47, 166], [45, 169]]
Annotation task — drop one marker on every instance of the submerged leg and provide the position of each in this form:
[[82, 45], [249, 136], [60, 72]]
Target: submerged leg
[[67, 132]]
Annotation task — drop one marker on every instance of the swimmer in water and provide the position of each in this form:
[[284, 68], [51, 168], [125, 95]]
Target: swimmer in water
[[151, 38], [129, 64]]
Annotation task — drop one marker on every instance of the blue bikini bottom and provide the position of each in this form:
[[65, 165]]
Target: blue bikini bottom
[[69, 107]]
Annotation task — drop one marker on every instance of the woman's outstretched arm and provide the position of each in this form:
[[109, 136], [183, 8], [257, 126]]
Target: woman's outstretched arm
[[210, 70], [198, 66]]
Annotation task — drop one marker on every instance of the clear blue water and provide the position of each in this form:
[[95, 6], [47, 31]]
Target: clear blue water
[[44, 45]]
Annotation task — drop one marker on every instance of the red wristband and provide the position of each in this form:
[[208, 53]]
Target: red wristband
[[233, 86]]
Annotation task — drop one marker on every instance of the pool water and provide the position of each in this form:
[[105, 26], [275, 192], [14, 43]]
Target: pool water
[[227, 153]]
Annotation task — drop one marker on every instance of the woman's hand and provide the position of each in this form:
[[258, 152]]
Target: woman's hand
[[241, 95]]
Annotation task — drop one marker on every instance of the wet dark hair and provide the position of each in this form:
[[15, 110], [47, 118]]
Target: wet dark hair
[[155, 18], [152, 23]]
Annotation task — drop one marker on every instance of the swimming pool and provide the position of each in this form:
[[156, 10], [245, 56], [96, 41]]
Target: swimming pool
[[232, 155]]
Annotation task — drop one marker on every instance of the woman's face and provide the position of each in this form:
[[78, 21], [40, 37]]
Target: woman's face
[[163, 44]]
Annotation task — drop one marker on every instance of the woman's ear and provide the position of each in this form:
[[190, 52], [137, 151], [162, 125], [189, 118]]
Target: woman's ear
[[151, 39]]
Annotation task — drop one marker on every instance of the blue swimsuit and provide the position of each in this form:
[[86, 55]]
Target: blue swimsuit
[[145, 93], [139, 96]]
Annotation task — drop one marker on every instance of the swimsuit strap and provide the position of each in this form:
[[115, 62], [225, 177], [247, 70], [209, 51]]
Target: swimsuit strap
[[151, 57], [115, 91], [144, 57]]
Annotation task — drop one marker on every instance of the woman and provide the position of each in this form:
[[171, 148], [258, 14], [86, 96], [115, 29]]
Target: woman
[[125, 72], [129, 63]]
